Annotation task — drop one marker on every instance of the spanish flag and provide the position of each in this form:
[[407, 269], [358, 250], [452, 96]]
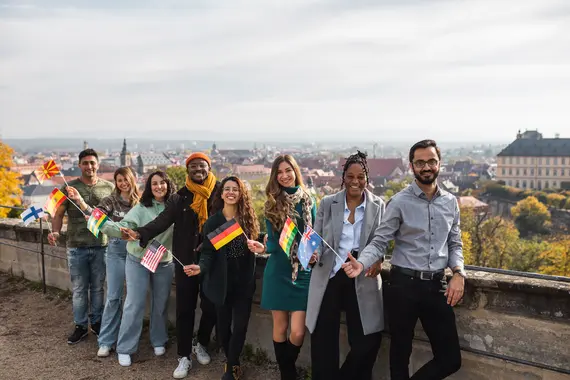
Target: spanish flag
[[46, 171], [55, 199], [225, 233]]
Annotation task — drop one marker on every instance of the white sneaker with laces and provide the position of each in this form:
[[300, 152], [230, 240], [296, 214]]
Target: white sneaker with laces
[[104, 351], [201, 354], [159, 351], [184, 365], [124, 360]]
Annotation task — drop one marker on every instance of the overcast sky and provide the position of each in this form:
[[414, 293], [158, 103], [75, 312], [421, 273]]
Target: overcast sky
[[377, 70]]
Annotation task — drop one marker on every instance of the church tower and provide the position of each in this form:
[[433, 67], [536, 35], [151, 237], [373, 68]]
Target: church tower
[[125, 155]]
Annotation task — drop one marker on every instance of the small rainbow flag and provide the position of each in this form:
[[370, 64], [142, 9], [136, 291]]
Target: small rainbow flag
[[225, 233], [55, 199], [288, 235], [96, 220], [46, 171]]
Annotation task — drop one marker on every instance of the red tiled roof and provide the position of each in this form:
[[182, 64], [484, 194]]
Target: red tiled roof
[[381, 167]]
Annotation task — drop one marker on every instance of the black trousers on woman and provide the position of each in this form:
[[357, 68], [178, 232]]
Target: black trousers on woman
[[340, 295], [235, 311]]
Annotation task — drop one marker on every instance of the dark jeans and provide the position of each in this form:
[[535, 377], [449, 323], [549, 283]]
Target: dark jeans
[[187, 290], [408, 299], [341, 295], [236, 309]]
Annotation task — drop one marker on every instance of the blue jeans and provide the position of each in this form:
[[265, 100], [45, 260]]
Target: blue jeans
[[87, 271], [116, 255], [138, 280]]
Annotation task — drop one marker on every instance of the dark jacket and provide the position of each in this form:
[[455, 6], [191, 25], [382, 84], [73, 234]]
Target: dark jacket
[[214, 265], [186, 232]]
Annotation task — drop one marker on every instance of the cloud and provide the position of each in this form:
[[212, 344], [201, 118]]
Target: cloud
[[345, 70]]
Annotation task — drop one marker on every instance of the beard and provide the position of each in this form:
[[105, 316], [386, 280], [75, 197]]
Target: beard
[[426, 177]]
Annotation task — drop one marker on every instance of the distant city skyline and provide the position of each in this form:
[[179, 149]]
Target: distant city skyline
[[305, 70]]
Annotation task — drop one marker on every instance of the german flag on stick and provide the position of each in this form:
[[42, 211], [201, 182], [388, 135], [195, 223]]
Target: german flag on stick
[[225, 233]]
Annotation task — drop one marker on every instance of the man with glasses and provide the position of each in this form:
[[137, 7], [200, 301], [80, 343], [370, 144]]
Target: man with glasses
[[423, 219]]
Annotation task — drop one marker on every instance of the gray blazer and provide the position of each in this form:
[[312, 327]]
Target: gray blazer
[[328, 224]]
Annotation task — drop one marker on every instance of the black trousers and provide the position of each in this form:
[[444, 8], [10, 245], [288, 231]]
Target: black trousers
[[341, 295], [187, 290], [408, 299], [236, 309]]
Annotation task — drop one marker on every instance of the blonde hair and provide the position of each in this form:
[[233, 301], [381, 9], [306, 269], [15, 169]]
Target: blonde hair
[[134, 192]]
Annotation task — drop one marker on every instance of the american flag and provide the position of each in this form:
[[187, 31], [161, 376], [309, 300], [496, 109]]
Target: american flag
[[153, 255]]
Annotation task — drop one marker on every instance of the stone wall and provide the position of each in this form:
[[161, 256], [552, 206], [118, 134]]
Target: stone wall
[[524, 320]]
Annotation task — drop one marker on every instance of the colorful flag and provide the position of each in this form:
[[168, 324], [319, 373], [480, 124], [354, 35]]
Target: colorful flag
[[46, 171], [55, 199], [225, 233], [31, 214], [310, 241], [96, 221], [153, 255], [288, 235]]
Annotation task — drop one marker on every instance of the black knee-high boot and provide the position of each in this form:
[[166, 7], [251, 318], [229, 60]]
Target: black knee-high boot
[[281, 358], [292, 355]]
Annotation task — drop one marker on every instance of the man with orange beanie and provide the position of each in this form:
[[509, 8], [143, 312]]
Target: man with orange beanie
[[188, 209]]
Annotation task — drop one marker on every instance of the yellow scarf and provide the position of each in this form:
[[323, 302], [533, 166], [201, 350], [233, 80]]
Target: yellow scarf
[[202, 193]]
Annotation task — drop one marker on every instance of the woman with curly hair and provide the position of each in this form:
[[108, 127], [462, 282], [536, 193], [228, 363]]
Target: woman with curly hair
[[285, 283], [139, 279], [229, 272]]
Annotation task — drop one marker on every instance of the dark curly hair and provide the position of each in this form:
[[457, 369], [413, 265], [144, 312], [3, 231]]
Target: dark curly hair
[[147, 197], [358, 158], [246, 216]]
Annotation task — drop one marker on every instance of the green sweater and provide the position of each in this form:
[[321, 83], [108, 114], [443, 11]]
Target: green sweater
[[139, 216]]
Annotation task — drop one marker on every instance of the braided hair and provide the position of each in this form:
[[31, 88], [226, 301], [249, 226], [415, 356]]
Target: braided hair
[[358, 158]]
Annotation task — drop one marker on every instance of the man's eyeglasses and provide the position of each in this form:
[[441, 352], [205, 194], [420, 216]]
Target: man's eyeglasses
[[421, 163]]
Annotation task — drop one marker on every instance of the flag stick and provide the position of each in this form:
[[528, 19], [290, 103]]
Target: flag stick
[[176, 258], [328, 245], [66, 184]]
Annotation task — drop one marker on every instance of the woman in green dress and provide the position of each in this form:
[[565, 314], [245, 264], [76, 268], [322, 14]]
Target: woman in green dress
[[285, 283]]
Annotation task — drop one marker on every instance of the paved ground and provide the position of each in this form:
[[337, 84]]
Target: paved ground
[[33, 344]]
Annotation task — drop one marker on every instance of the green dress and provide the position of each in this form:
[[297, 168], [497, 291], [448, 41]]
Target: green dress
[[279, 291]]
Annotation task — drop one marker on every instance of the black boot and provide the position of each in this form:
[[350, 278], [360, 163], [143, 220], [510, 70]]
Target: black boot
[[292, 355], [281, 358]]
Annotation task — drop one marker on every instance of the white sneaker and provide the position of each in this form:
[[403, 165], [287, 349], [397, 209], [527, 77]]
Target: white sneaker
[[159, 351], [104, 351], [124, 360], [201, 354], [184, 364]]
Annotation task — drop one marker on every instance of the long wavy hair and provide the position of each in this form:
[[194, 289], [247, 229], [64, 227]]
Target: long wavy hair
[[246, 216], [276, 208], [134, 192], [147, 197]]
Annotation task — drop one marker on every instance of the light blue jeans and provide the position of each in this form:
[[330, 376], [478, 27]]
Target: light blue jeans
[[116, 255], [138, 280], [87, 271]]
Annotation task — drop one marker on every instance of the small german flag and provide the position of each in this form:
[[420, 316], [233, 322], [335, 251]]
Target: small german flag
[[225, 233]]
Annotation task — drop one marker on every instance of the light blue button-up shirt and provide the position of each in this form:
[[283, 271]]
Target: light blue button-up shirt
[[350, 236], [426, 232]]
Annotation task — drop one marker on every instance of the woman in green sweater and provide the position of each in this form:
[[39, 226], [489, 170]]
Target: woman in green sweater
[[285, 283], [229, 272], [157, 190]]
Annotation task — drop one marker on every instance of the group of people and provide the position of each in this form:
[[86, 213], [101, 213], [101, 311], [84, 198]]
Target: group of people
[[343, 274]]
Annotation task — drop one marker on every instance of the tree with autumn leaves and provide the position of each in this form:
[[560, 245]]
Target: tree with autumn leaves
[[10, 191], [521, 244]]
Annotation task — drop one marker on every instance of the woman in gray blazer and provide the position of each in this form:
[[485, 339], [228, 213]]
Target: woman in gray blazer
[[346, 220]]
